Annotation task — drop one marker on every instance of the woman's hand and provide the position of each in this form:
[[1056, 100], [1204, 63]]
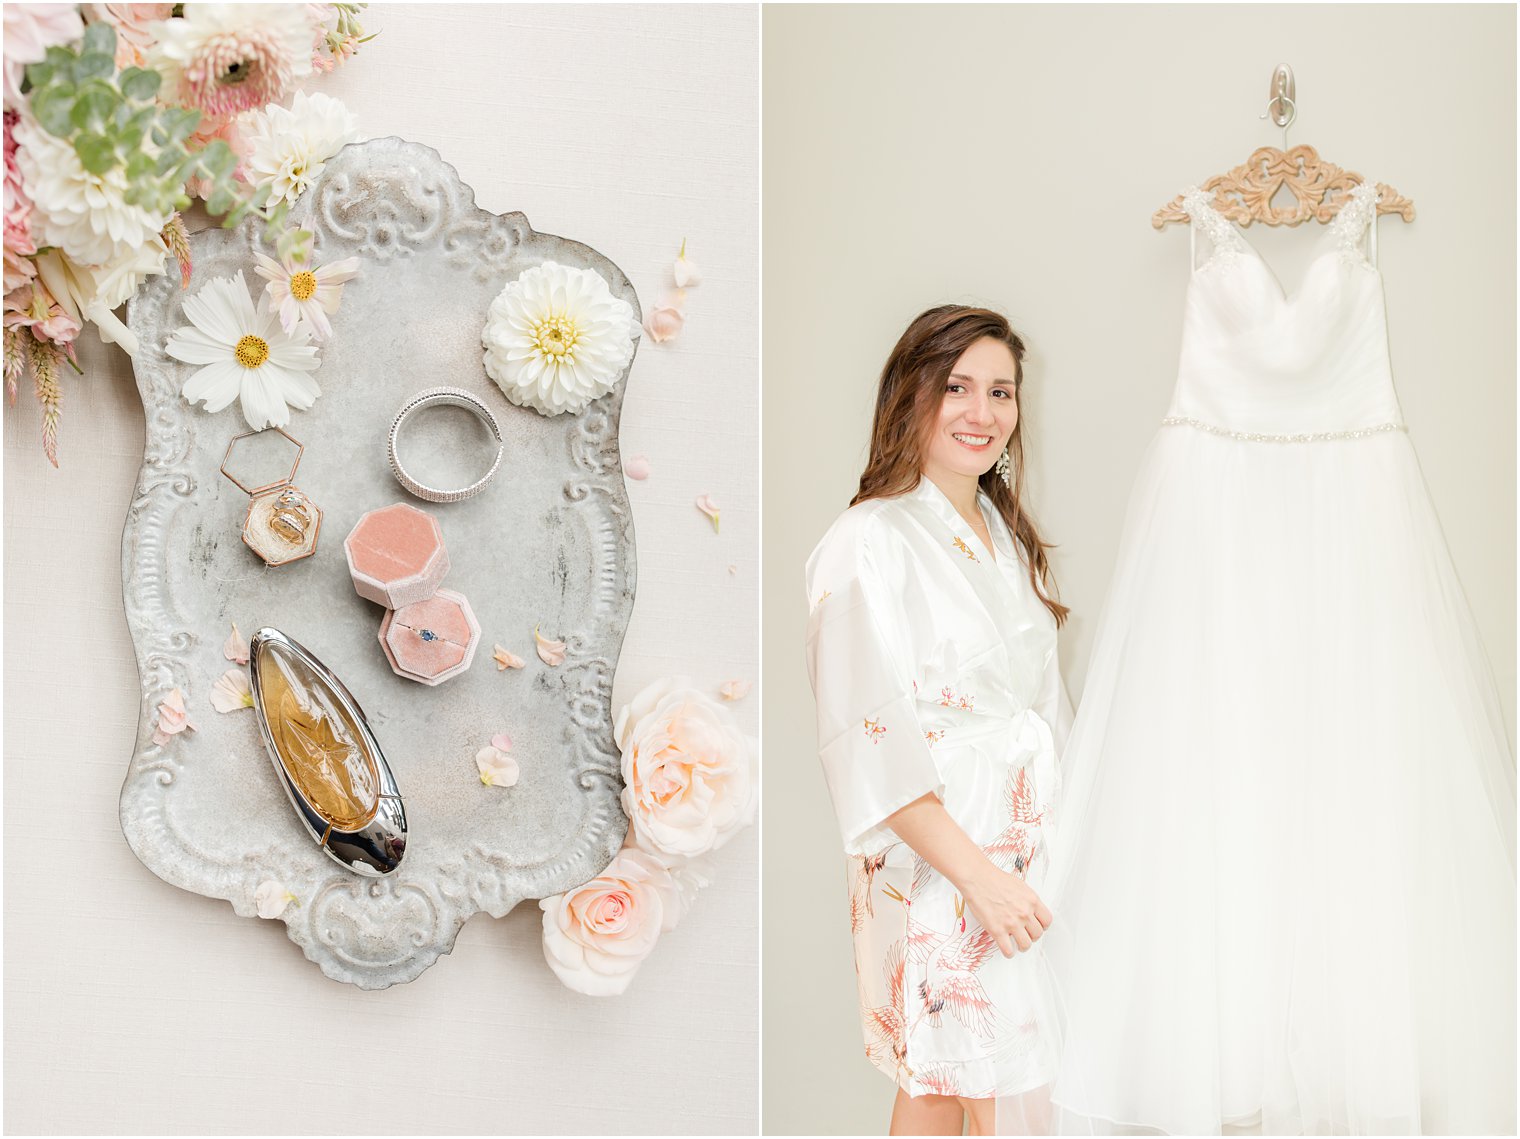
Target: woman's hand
[[1004, 904], [1007, 908]]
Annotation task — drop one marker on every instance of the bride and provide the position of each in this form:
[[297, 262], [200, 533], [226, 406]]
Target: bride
[[932, 653]]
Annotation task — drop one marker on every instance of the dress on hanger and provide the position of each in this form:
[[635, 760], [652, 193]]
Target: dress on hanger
[[1284, 884], [934, 668]]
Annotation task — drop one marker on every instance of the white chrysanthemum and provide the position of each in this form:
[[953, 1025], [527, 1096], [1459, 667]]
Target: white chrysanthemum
[[556, 338], [246, 354], [86, 215], [227, 58], [287, 148]]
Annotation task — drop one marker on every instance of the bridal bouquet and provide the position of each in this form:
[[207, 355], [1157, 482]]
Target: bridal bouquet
[[117, 116]]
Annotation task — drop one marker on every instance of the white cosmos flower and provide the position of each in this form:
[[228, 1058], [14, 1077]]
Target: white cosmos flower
[[287, 149], [556, 338], [309, 294], [245, 354], [86, 215]]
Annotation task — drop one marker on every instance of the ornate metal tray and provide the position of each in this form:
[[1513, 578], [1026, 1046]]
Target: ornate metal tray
[[548, 543]]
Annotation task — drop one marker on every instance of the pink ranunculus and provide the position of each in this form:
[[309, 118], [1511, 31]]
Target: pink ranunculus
[[30, 29], [688, 773], [597, 935]]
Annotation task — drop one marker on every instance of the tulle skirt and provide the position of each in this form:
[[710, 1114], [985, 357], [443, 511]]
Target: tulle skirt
[[1283, 873]]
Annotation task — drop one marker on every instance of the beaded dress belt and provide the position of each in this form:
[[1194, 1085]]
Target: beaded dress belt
[[1259, 437]]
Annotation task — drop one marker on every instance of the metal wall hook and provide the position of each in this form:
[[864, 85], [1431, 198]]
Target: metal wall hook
[[1281, 95]]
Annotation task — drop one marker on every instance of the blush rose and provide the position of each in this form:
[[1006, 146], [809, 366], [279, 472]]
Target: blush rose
[[689, 781], [597, 935]]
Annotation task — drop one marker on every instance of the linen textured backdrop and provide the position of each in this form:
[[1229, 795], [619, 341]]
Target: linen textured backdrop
[[134, 1007], [1012, 156]]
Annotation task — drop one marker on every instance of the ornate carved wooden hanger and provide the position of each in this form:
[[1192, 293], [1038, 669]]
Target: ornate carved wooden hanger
[[1319, 189]]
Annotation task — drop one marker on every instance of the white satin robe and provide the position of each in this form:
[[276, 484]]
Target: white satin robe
[[934, 669]]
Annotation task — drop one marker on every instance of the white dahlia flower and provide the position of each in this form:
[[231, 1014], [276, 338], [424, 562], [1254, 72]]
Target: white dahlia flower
[[287, 149], [86, 215], [556, 338], [244, 354]]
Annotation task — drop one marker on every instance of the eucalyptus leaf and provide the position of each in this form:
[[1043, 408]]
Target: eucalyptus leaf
[[139, 83], [100, 38], [94, 66], [96, 152], [52, 106], [93, 107]]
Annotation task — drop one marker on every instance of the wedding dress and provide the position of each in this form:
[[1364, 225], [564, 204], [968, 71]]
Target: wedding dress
[[1284, 879]]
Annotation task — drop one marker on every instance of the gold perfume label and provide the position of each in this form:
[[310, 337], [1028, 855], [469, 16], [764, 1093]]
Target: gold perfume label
[[320, 747]]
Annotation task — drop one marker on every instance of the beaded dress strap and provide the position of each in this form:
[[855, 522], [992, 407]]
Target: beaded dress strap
[[1225, 237], [1353, 220]]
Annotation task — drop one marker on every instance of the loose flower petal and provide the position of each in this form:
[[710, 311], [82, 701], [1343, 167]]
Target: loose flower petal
[[501, 741], [708, 507], [506, 659], [686, 272], [172, 718], [272, 897], [236, 648], [733, 571], [665, 321], [232, 691], [734, 689], [550, 652], [637, 467], [497, 767]]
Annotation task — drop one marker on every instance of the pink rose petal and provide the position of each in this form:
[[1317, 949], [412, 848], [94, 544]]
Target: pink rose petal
[[506, 659], [637, 467], [552, 653], [734, 689], [708, 507], [501, 741], [236, 648]]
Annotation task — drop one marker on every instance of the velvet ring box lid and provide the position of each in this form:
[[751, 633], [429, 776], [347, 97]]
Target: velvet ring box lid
[[431, 640], [396, 555]]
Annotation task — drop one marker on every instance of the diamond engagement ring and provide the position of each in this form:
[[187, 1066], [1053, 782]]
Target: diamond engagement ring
[[443, 397]]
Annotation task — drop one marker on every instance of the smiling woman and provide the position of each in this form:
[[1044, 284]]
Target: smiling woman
[[932, 652]]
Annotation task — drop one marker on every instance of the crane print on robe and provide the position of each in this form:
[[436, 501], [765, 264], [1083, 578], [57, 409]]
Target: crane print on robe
[[888, 1022], [1016, 847], [950, 982]]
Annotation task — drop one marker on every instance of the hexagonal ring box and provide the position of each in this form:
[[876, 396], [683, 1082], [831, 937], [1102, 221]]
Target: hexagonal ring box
[[397, 558], [282, 523]]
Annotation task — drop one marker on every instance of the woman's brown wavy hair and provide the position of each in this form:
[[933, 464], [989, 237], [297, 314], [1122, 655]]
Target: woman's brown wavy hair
[[912, 387]]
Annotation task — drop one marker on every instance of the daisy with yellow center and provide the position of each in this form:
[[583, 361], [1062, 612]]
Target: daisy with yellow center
[[557, 338], [244, 354], [302, 292]]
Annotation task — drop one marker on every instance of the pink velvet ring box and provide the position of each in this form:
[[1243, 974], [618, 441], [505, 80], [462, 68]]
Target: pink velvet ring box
[[431, 640], [396, 555]]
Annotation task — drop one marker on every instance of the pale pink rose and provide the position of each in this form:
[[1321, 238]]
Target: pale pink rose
[[665, 321], [30, 29], [134, 31], [597, 935], [689, 780]]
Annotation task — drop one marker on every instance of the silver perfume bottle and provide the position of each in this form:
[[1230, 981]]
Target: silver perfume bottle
[[326, 756]]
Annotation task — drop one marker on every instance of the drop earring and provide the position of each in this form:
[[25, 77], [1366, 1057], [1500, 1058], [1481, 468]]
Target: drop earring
[[1004, 469]]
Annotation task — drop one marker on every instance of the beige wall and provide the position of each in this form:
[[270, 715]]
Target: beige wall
[[1012, 156]]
